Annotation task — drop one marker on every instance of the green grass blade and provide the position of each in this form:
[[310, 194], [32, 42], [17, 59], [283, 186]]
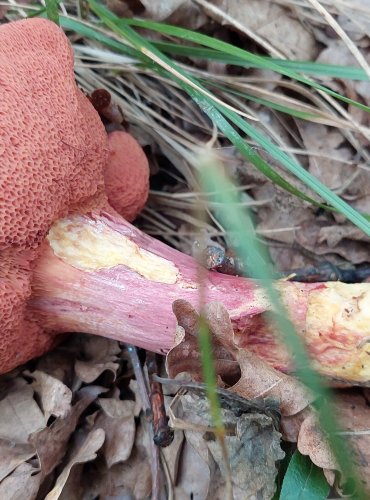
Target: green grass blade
[[219, 114], [308, 67], [302, 174], [82, 29], [203, 101], [304, 480], [269, 104], [227, 48], [241, 231], [52, 10], [209, 375]]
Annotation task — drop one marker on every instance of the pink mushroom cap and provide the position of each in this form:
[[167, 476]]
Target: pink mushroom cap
[[126, 175]]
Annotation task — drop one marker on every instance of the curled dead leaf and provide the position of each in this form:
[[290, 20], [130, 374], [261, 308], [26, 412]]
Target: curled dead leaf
[[185, 357], [252, 441], [85, 452], [353, 414], [51, 443], [12, 455], [22, 484], [55, 396], [255, 378], [99, 354], [118, 422], [20, 415]]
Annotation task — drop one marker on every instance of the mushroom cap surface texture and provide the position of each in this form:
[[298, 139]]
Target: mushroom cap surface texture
[[126, 175], [53, 148]]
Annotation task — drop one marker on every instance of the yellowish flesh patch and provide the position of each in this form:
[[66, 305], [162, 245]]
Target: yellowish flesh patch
[[90, 245], [345, 310]]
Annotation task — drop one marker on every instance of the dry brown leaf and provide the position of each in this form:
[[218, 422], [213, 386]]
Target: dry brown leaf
[[12, 455], [256, 379], [20, 415], [134, 387], [311, 442], [22, 484], [353, 414], [291, 425], [180, 12], [55, 397], [271, 22], [130, 479], [125, 477], [51, 443], [334, 234], [118, 422], [194, 474], [252, 442], [327, 154], [260, 380], [100, 354], [185, 357], [172, 455], [354, 18], [85, 452], [160, 10], [59, 363], [73, 488], [309, 236]]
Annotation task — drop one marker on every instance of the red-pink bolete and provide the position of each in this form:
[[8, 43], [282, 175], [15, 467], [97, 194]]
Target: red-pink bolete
[[70, 263]]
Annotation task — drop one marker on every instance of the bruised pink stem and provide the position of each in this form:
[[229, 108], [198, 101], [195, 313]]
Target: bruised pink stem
[[99, 274]]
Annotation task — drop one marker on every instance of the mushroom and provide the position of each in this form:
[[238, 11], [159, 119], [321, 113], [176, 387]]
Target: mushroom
[[126, 175], [71, 263]]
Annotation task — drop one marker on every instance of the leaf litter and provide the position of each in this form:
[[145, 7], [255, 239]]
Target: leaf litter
[[71, 424]]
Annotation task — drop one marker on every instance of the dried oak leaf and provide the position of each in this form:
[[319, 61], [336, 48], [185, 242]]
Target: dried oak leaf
[[130, 479], [55, 397], [194, 476], [252, 441], [180, 12], [185, 357], [258, 379], [12, 455], [58, 363], [118, 422], [51, 443], [20, 415], [22, 484], [269, 21], [353, 414], [99, 354], [83, 452], [255, 378], [172, 455]]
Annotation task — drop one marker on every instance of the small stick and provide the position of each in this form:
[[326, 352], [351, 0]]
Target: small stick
[[163, 434]]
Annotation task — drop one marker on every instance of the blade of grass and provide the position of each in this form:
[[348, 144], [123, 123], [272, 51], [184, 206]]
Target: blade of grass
[[219, 113], [227, 48], [250, 250], [91, 33], [52, 10], [308, 67], [203, 101], [273, 105]]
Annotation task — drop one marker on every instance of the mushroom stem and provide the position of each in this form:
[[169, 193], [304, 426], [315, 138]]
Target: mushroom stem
[[99, 274]]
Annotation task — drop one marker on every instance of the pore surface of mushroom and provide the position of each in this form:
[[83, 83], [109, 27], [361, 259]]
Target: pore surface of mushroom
[[70, 263]]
